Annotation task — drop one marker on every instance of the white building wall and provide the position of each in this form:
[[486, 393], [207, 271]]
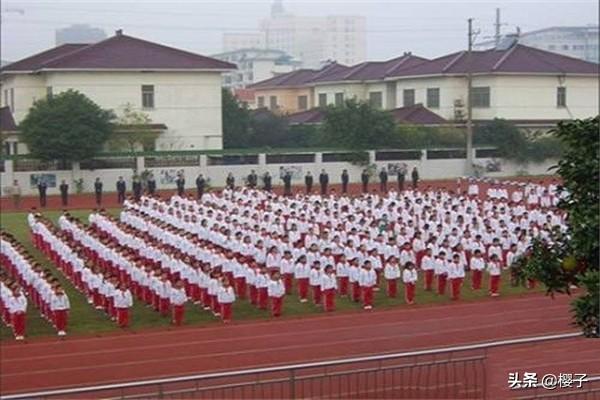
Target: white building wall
[[451, 89], [26, 88], [351, 91]]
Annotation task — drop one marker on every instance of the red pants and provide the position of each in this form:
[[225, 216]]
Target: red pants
[[97, 298], [456, 285], [409, 293], [240, 287], [494, 284], [178, 311], [253, 295], [123, 317], [214, 303], [428, 279], [392, 287], [18, 323], [476, 279], [343, 285], [316, 291], [263, 298], [442, 283], [226, 312], [303, 288], [156, 301], [276, 305], [367, 296], [164, 306], [329, 295], [355, 291], [206, 300], [60, 319], [288, 280], [377, 275]]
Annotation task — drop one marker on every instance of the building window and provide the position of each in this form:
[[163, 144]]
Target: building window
[[49, 92], [322, 99], [561, 96], [408, 96], [148, 96], [273, 102], [339, 99], [261, 101], [480, 96], [302, 102], [376, 99], [433, 97], [12, 99]]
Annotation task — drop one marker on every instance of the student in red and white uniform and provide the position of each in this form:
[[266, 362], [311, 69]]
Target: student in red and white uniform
[[276, 291], [456, 273], [329, 287], [441, 272], [164, 294], [367, 280], [273, 259], [17, 307], [409, 277], [342, 271], [239, 276], [226, 297], [495, 249], [123, 301], [391, 273], [262, 287], [495, 271], [418, 247], [59, 305], [354, 280], [301, 274], [287, 270], [477, 267], [178, 299], [314, 280], [406, 254], [427, 265], [251, 274], [213, 291]]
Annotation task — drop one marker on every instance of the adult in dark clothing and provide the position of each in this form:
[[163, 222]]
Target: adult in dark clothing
[[98, 191], [252, 179], [287, 184], [64, 193], [401, 179], [323, 181], [121, 188], [180, 183], [364, 178], [137, 188], [42, 188], [345, 180], [230, 181], [267, 181], [415, 177], [383, 179], [308, 182], [200, 186], [151, 184]]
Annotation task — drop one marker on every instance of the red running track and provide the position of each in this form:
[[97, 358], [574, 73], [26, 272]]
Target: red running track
[[83, 361]]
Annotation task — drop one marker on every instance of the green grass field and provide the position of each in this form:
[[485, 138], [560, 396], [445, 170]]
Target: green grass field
[[84, 319]]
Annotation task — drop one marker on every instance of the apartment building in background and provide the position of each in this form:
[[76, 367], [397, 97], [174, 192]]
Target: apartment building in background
[[533, 88], [311, 40], [573, 41], [180, 91], [255, 65]]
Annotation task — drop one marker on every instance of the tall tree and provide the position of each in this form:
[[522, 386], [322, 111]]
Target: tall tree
[[133, 131], [236, 121], [268, 129], [572, 258], [357, 125], [67, 126]]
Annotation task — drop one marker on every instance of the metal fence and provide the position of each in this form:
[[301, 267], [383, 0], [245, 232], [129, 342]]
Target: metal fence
[[454, 372]]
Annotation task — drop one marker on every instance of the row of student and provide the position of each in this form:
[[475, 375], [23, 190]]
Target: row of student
[[24, 275]]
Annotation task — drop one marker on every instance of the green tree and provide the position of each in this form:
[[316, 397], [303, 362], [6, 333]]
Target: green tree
[[572, 258], [236, 122], [133, 131], [268, 129], [67, 126], [357, 125]]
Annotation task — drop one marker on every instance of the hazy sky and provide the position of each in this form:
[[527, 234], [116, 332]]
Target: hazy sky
[[427, 28]]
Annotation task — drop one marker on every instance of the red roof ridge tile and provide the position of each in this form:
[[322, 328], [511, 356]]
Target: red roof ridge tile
[[503, 58], [454, 60]]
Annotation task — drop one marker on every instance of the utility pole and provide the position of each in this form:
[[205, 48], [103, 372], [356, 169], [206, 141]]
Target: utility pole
[[469, 166], [497, 26]]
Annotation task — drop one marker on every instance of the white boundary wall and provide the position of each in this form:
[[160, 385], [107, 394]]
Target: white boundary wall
[[428, 169]]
